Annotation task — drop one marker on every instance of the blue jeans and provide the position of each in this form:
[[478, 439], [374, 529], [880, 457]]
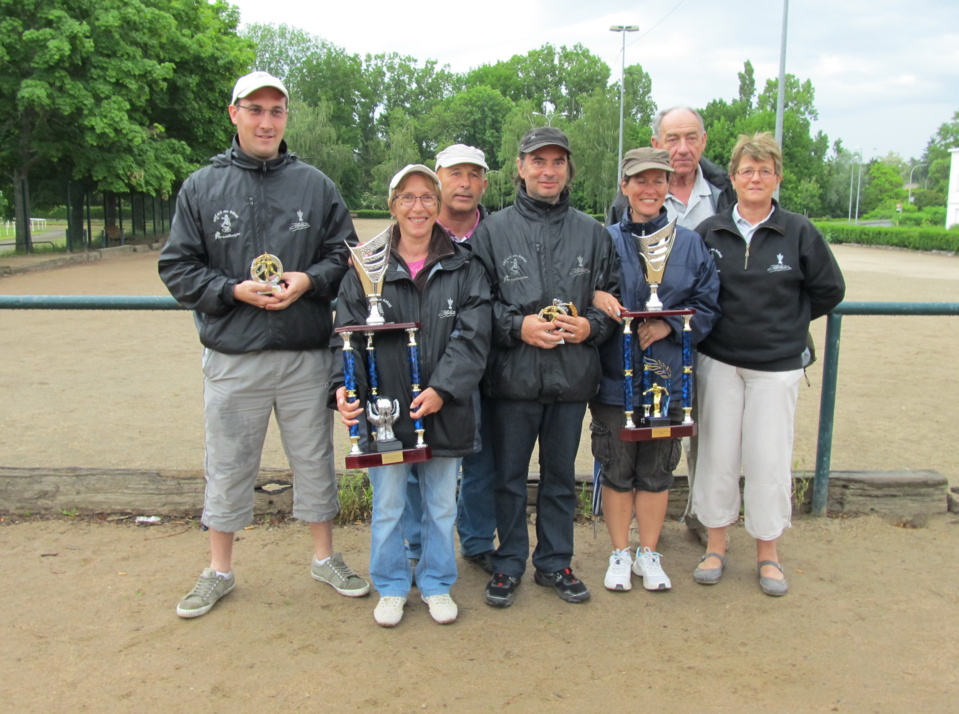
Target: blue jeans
[[389, 568], [516, 427], [412, 523], [476, 507]]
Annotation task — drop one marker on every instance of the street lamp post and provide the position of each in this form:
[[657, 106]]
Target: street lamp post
[[547, 117], [622, 87], [858, 186], [852, 172]]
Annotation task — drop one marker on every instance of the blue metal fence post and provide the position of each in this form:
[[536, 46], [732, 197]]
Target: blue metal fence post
[[827, 413]]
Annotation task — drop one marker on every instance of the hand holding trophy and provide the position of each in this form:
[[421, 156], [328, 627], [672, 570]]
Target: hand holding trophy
[[654, 423], [370, 261], [267, 270]]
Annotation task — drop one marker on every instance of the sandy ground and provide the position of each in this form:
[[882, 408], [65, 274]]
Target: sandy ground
[[869, 624]]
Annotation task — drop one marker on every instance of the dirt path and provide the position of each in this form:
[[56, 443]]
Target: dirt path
[[869, 624]]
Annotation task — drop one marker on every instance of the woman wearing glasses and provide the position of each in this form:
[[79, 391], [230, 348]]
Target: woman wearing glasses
[[432, 281], [776, 273]]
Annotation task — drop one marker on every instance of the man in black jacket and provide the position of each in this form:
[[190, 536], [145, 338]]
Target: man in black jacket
[[541, 253], [266, 342], [698, 188]]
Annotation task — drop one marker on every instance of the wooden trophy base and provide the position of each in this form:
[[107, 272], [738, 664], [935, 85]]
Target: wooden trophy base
[[675, 430], [406, 456]]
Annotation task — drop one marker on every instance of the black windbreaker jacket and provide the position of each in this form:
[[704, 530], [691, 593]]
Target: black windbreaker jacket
[[450, 299], [533, 253], [237, 208]]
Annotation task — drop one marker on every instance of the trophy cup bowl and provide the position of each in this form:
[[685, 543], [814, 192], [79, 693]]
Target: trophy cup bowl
[[370, 261], [654, 249]]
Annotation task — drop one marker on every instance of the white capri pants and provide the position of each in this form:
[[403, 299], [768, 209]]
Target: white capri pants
[[746, 420], [240, 392]]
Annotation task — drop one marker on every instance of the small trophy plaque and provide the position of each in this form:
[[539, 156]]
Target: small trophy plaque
[[654, 249], [370, 261], [267, 269]]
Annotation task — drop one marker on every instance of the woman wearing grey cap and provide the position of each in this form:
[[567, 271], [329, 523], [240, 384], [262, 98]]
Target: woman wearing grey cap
[[434, 282], [636, 476]]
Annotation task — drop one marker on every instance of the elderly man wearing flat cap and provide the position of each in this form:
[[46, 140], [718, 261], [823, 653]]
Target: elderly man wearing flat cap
[[544, 260], [257, 249]]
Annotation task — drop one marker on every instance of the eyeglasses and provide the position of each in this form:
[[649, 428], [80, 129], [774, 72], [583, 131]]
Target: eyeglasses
[[749, 173], [256, 111], [408, 199]]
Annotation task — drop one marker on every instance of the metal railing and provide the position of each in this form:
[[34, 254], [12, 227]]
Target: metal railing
[[830, 374]]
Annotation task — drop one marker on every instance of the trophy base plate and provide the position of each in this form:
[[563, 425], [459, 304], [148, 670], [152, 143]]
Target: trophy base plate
[[384, 447], [674, 430], [643, 314], [405, 456]]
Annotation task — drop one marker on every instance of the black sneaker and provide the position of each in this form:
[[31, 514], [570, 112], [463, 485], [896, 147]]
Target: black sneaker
[[568, 586], [481, 560], [501, 589]]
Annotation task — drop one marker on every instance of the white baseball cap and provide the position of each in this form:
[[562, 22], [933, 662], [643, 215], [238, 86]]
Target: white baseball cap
[[412, 169], [461, 154], [249, 83]]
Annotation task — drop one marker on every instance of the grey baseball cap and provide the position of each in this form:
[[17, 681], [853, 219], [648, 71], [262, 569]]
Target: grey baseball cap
[[543, 136], [636, 161]]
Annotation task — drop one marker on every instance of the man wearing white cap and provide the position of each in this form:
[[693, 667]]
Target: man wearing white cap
[[462, 171], [257, 249]]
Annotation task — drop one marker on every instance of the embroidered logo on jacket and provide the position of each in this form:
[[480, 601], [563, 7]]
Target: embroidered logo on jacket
[[778, 267], [580, 269], [299, 224], [449, 311], [225, 220], [514, 269]]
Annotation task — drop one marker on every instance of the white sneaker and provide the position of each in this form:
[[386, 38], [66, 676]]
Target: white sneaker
[[442, 608], [648, 567], [617, 574], [389, 611]]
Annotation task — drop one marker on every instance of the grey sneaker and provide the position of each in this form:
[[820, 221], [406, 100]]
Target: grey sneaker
[[208, 589], [338, 575]]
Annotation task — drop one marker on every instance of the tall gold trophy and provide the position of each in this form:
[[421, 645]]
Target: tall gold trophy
[[656, 382], [370, 261]]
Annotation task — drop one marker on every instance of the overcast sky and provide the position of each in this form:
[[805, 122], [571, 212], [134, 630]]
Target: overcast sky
[[886, 72]]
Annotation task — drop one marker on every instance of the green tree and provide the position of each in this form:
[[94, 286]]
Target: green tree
[[401, 149], [804, 153], [553, 80], [474, 116], [311, 134], [595, 142], [937, 157], [884, 189], [88, 88]]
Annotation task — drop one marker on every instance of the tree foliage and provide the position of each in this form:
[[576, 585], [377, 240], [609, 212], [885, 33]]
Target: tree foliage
[[130, 95], [937, 157], [114, 94]]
